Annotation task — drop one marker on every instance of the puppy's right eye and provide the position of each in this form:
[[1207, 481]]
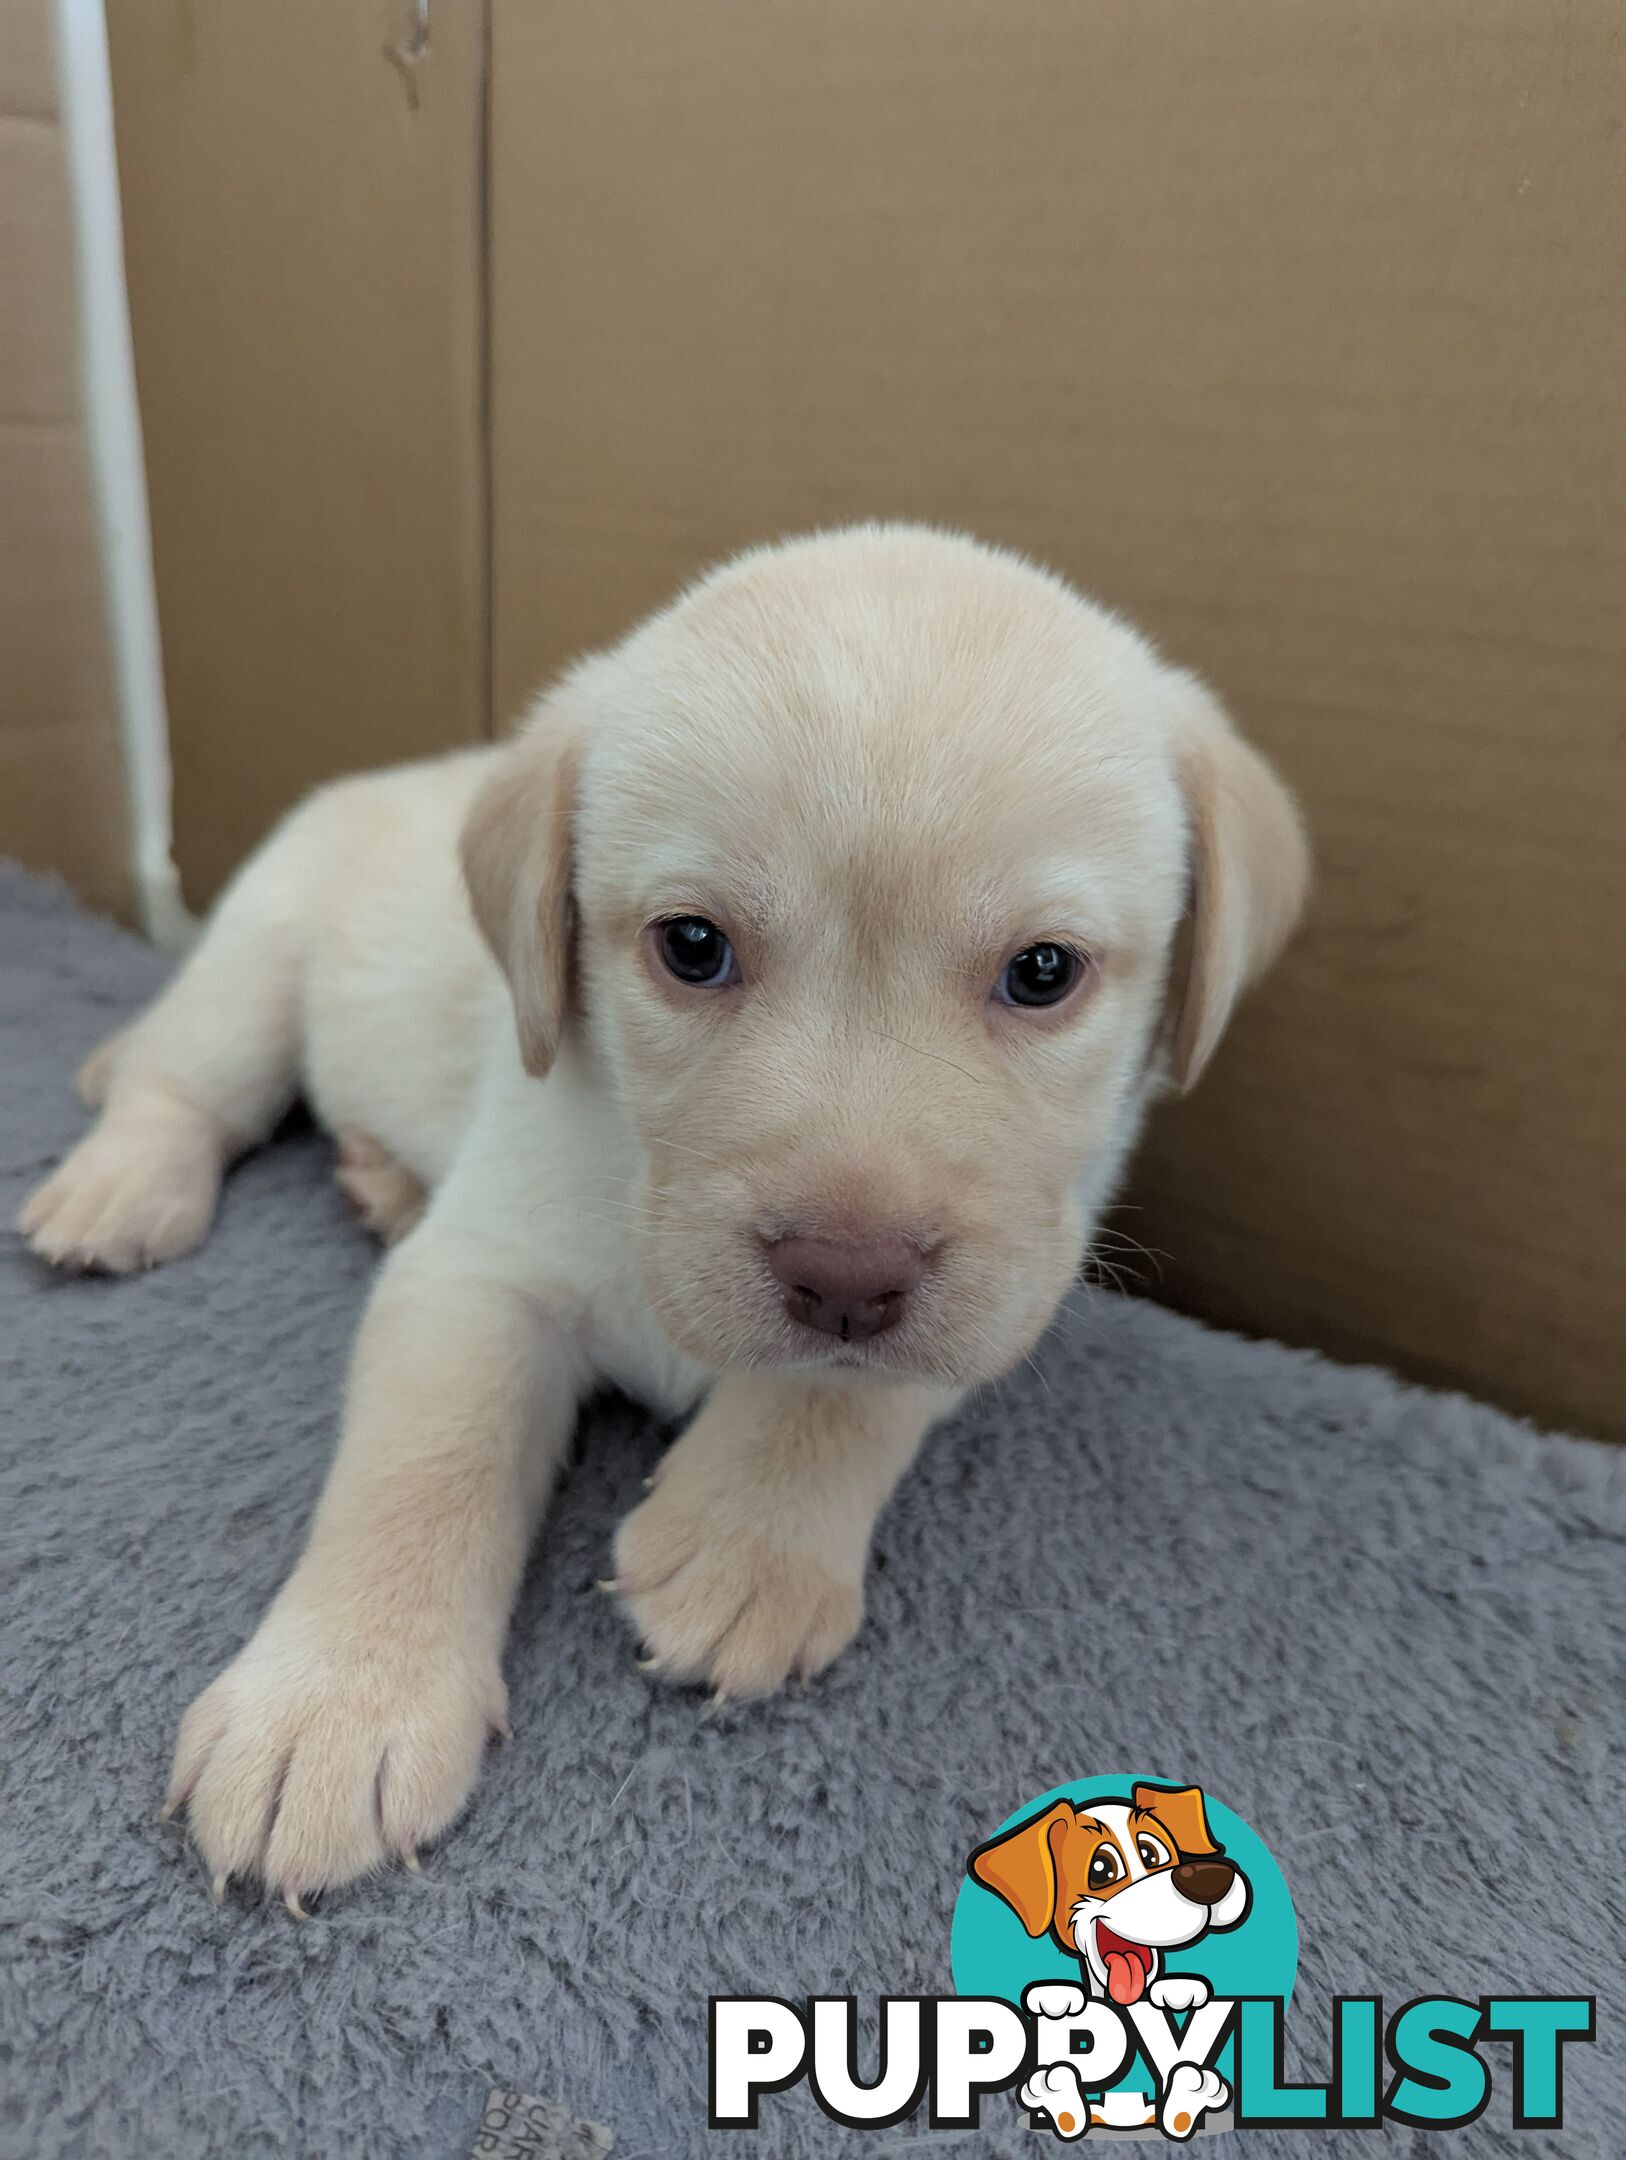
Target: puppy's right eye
[[696, 952], [1039, 975], [1104, 1867]]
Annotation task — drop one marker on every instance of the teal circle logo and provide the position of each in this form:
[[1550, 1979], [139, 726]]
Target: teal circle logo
[[1132, 1906]]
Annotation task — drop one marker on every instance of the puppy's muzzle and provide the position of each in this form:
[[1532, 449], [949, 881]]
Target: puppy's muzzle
[[853, 1288], [1205, 1882]]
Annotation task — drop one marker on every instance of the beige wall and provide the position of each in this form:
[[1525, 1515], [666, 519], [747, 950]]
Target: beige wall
[[303, 199], [1298, 333], [62, 793]]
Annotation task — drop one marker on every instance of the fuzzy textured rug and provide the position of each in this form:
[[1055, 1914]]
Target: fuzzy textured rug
[[1385, 1626]]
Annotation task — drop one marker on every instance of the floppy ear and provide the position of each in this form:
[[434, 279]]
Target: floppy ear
[[1249, 869], [1020, 1866], [1181, 1814], [517, 866]]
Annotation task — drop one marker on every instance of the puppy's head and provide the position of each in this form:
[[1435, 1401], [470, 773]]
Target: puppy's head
[[1118, 1882], [857, 875]]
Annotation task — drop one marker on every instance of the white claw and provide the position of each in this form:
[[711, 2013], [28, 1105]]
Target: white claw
[[648, 1664], [411, 1862], [290, 1898], [217, 1889]]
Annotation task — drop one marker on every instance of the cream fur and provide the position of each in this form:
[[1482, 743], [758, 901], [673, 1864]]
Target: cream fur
[[883, 760]]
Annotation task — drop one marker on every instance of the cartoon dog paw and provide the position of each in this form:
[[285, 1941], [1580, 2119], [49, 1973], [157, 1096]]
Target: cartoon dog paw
[[1189, 2095], [1056, 2092], [1054, 1999], [1179, 1991]]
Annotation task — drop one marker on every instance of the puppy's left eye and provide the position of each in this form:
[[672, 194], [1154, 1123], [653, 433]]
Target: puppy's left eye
[[1039, 975], [1151, 1852], [695, 951]]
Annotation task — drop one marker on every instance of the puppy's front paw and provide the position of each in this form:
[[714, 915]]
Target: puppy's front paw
[[319, 1754], [742, 1606], [132, 1194]]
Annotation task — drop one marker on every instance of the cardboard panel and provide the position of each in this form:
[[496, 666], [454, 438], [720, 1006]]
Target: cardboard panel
[[1300, 335], [303, 218], [38, 353], [27, 45], [62, 802]]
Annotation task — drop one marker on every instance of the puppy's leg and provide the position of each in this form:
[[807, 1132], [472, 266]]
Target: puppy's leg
[[203, 1074], [746, 1563], [350, 1729]]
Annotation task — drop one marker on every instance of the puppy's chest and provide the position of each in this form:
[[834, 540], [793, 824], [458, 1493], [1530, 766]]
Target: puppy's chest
[[586, 1183], [631, 1350], [550, 1177]]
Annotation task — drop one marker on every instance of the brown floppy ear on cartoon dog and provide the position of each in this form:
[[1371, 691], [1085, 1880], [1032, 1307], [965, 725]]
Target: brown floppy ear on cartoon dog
[[1181, 1814], [1024, 1866]]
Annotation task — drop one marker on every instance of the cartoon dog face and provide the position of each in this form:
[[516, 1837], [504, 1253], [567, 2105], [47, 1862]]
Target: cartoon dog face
[[1117, 1882]]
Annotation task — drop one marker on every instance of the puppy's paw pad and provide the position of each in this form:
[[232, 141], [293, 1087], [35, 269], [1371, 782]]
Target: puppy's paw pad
[[1179, 1991], [126, 1198], [737, 1609], [1188, 2095], [1055, 2092], [1055, 1999], [307, 1764]]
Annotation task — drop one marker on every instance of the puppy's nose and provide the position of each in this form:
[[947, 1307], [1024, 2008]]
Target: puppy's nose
[[1205, 1882], [851, 1287]]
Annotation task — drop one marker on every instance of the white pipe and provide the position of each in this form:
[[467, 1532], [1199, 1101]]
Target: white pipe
[[118, 466]]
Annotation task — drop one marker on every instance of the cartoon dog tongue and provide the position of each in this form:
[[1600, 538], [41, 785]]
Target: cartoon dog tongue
[[1126, 1977]]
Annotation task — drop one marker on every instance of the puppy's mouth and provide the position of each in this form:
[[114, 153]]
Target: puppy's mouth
[[810, 1348], [930, 1352], [1127, 1965], [800, 1349]]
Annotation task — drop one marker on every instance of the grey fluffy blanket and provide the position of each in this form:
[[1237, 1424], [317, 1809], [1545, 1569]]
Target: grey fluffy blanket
[[1385, 1626]]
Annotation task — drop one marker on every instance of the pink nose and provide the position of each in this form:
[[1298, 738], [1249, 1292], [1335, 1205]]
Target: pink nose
[[851, 1287]]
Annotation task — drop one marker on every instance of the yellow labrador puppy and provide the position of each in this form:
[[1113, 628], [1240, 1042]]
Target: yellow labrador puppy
[[761, 1031]]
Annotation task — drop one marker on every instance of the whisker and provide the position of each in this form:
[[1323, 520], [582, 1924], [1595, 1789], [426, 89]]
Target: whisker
[[1043, 1377], [920, 1051], [682, 1147], [1123, 1241]]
